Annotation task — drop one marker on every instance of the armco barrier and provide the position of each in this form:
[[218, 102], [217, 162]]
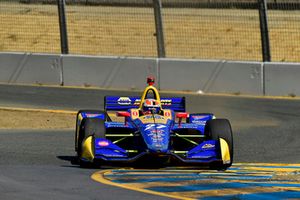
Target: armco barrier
[[211, 76], [108, 72], [29, 68], [282, 79]]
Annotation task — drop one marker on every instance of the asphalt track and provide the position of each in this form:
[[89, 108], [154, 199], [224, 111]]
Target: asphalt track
[[37, 164]]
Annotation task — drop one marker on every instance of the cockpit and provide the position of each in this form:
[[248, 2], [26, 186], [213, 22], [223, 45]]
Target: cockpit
[[150, 100]]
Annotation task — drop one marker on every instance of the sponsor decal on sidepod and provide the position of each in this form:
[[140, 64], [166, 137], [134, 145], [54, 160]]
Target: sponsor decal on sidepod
[[208, 146]]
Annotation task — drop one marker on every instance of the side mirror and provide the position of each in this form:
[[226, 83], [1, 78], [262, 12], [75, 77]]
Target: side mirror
[[123, 114], [181, 116]]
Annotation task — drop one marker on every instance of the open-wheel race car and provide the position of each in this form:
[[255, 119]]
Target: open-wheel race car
[[152, 131]]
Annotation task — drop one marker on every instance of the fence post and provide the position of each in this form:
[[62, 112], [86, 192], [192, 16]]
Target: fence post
[[264, 30], [63, 26], [159, 29]]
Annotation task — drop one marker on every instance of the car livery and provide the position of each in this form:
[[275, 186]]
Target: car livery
[[123, 134]]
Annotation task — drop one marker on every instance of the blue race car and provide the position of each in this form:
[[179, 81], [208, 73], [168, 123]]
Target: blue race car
[[152, 131]]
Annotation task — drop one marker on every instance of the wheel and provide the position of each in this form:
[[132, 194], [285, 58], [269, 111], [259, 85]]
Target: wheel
[[79, 123], [221, 128], [90, 127]]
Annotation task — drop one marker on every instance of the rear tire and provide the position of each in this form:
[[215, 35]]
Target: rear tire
[[94, 127], [220, 128]]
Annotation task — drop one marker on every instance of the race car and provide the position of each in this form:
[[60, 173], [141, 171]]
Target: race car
[[152, 131]]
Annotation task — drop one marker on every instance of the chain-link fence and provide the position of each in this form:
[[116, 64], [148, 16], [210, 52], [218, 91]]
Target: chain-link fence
[[202, 29], [284, 30], [29, 27], [196, 31], [108, 30]]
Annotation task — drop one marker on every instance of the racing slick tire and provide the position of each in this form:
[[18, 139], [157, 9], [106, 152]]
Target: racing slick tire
[[79, 126], [94, 127], [220, 128]]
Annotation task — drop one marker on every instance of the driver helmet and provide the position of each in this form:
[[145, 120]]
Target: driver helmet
[[151, 105]]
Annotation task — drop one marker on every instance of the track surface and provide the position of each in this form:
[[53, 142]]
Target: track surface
[[240, 181], [36, 164]]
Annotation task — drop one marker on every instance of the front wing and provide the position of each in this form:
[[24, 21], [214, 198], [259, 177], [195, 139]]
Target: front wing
[[206, 153]]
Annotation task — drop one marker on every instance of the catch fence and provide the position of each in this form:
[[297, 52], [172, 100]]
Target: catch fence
[[250, 30]]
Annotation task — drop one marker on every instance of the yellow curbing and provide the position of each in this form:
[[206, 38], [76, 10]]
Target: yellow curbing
[[38, 110], [98, 177], [268, 164]]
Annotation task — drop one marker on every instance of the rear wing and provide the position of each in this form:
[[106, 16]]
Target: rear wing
[[117, 103]]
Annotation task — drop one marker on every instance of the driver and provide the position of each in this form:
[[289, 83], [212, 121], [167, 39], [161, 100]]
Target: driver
[[151, 106]]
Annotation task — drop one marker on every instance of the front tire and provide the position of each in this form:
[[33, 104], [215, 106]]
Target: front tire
[[220, 128], [94, 127], [79, 123]]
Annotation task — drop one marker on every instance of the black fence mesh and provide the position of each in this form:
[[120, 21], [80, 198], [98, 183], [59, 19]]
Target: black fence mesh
[[29, 27], [216, 32], [201, 29], [108, 30], [284, 30]]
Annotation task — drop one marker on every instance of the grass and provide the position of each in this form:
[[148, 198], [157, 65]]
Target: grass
[[229, 34], [15, 119]]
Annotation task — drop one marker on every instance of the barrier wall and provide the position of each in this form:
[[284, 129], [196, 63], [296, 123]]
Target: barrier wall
[[207, 76], [282, 79], [9, 63], [211, 76], [108, 72], [30, 68]]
